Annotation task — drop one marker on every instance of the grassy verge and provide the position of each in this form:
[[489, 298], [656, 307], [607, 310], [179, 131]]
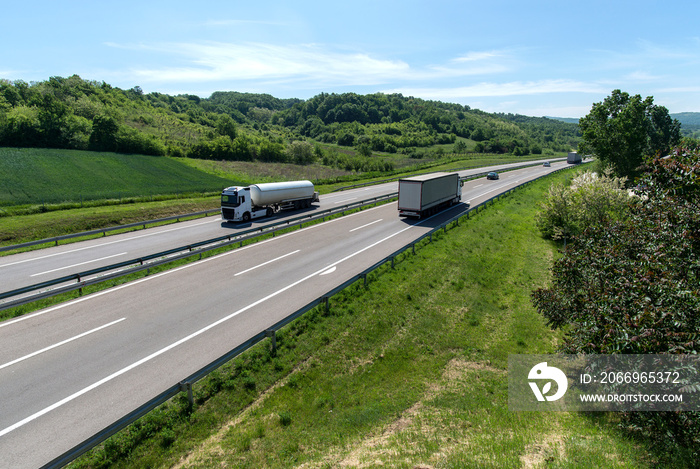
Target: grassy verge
[[410, 371]]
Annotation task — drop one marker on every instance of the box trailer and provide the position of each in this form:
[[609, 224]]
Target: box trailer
[[428, 193], [573, 158]]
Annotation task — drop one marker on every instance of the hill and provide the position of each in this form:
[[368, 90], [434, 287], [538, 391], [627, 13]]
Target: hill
[[690, 123], [72, 113], [46, 176]]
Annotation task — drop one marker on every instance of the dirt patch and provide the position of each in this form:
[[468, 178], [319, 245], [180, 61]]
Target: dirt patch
[[548, 449]]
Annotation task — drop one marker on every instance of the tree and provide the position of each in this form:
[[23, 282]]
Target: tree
[[104, 133], [623, 130], [226, 126], [631, 287], [460, 147], [300, 152]]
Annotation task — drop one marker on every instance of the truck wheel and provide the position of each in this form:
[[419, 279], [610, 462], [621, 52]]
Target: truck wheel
[[246, 216], [270, 211]]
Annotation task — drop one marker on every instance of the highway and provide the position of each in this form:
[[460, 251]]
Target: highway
[[68, 371], [34, 267]]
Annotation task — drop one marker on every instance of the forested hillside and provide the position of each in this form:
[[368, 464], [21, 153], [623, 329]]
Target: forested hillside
[[78, 114], [690, 123]]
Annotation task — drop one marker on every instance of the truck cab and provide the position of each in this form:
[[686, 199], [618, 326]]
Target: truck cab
[[236, 205]]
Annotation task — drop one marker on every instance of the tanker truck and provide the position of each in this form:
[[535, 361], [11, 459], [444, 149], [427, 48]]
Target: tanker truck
[[263, 200]]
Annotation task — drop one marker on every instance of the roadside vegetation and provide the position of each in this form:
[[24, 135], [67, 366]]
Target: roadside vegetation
[[629, 285], [410, 371]]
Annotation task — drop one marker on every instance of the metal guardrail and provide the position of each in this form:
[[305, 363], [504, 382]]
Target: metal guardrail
[[104, 231], [163, 257], [186, 384], [471, 176]]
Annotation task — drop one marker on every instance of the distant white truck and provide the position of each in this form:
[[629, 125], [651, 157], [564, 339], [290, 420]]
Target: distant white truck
[[263, 200], [429, 193]]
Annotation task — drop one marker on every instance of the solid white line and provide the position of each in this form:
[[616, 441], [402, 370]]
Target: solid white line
[[265, 263], [76, 265], [370, 223], [79, 336], [150, 357]]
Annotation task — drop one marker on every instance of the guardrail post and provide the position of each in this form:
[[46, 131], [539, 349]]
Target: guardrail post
[[273, 340], [186, 386], [328, 306], [364, 279]]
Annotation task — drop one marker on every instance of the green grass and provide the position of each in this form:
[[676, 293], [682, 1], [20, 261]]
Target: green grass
[[31, 176], [410, 371]]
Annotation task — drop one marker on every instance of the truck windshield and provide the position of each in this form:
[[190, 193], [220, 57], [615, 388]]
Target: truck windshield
[[230, 200]]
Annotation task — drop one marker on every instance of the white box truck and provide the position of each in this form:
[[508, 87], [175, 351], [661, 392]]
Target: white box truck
[[428, 193], [261, 200]]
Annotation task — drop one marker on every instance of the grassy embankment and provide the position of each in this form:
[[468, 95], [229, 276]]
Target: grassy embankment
[[410, 371], [45, 193]]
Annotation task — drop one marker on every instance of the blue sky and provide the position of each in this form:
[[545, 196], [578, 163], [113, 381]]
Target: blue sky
[[535, 58]]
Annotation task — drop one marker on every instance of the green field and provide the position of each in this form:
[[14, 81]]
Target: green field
[[410, 371], [30, 176]]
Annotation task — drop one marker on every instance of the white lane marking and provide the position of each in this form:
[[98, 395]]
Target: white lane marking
[[345, 200], [76, 265], [487, 192], [25, 317], [363, 226], [105, 244], [329, 271], [478, 185], [150, 357], [265, 263], [79, 336]]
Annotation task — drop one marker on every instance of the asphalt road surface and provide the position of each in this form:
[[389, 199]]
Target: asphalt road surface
[[68, 371]]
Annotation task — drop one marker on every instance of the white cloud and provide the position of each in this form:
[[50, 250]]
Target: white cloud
[[254, 61], [478, 56], [641, 76], [312, 63], [504, 89]]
